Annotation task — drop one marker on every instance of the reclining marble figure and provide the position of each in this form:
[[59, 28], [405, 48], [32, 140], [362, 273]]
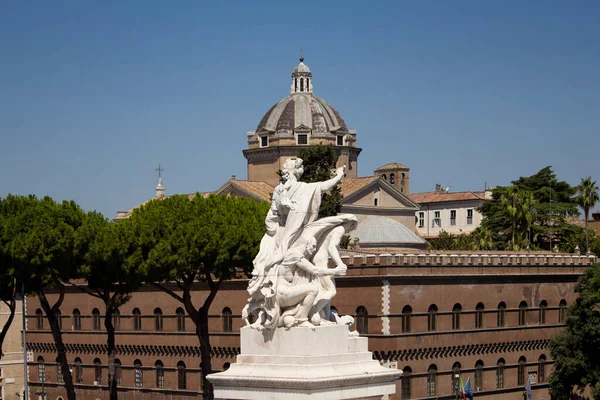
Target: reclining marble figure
[[291, 283]]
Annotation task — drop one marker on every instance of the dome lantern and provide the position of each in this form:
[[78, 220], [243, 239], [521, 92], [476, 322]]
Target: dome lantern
[[301, 78]]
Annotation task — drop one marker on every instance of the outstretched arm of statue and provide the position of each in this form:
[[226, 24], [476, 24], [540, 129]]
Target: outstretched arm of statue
[[339, 173], [312, 269]]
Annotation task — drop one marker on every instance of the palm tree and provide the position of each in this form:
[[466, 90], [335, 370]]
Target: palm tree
[[516, 205], [587, 198]]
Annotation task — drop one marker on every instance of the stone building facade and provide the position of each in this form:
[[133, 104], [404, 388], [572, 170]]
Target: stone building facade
[[12, 375], [452, 212], [485, 316]]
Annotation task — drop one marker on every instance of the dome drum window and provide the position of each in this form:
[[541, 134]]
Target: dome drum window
[[264, 141]]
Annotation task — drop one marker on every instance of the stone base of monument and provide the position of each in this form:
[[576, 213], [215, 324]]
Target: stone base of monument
[[321, 362]]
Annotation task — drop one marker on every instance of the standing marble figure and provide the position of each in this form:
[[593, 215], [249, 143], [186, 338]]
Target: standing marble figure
[[291, 283]]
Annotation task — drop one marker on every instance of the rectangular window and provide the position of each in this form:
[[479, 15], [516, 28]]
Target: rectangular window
[[470, 217], [500, 376], [421, 219], [160, 377], [340, 140], [452, 217], [302, 139], [138, 377], [431, 321], [437, 219], [264, 141]]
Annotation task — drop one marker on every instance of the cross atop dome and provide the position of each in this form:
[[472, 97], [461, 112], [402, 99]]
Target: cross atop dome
[[301, 78]]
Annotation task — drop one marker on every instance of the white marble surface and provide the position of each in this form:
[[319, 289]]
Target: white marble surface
[[322, 362]]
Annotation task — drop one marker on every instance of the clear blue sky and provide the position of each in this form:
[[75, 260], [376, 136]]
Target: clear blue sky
[[94, 95]]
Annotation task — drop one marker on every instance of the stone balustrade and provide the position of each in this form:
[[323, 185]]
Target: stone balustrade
[[482, 259]]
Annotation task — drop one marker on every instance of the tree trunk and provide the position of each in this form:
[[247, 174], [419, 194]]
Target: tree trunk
[[110, 348], [205, 361], [587, 245], [57, 335], [11, 303]]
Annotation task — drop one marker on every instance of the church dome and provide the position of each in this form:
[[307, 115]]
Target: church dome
[[302, 110]]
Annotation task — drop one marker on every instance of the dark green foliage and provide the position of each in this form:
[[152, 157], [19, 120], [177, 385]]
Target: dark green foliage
[[577, 349], [8, 277], [319, 165], [183, 241], [41, 246], [479, 239], [522, 215], [113, 270]]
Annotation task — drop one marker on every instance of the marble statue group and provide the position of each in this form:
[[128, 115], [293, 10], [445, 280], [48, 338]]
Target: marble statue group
[[291, 282]]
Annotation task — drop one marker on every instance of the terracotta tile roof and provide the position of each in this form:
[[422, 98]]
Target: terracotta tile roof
[[262, 190], [351, 185], [439, 197], [392, 166]]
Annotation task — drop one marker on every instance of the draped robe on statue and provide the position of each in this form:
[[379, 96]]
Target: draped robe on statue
[[294, 205]]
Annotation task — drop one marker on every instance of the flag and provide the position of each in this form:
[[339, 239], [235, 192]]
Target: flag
[[528, 388], [468, 390], [461, 392]]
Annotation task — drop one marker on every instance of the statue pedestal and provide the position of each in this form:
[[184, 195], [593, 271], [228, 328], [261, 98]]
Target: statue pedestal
[[320, 362]]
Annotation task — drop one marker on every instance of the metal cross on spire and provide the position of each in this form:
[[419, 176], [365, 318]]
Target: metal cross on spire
[[159, 170], [301, 55]]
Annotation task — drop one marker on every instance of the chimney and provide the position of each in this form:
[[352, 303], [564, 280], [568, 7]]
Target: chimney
[[438, 187]]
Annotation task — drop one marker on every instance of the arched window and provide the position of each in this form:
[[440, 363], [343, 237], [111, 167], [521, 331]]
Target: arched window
[[96, 319], [521, 371], [78, 371], [76, 320], [181, 380], [501, 314], [479, 315], [39, 319], [227, 319], [541, 369], [455, 378], [523, 313], [402, 177], [41, 369], [158, 319], [118, 372], [117, 320], [307, 84], [301, 85], [562, 308], [137, 319], [295, 84], [431, 380], [160, 374], [542, 317], [392, 179], [375, 201], [59, 319], [139, 373], [406, 312], [180, 319], [478, 376], [59, 374], [97, 372], [500, 374], [406, 378], [456, 310], [384, 177], [362, 321], [431, 316]]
